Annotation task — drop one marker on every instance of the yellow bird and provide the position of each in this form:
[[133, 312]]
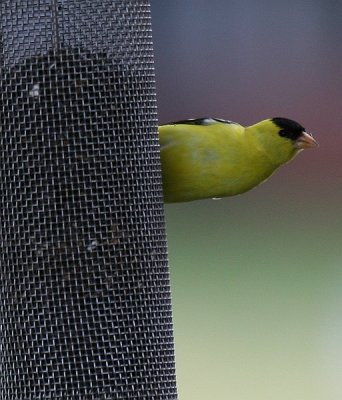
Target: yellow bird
[[213, 158]]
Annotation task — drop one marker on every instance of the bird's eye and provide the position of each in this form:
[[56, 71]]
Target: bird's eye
[[282, 133]]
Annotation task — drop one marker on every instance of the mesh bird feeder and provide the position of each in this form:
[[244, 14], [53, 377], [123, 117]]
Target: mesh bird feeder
[[85, 310]]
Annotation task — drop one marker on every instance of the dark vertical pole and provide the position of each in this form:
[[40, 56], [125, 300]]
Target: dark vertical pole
[[85, 309]]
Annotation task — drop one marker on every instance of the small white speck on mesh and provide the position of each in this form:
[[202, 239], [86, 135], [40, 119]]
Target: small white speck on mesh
[[92, 246], [34, 92]]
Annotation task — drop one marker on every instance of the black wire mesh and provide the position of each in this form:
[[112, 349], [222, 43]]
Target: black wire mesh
[[85, 308]]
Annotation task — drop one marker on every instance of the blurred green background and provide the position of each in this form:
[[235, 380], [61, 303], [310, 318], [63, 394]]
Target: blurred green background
[[257, 279]]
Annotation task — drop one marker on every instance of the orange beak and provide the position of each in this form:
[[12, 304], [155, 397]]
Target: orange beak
[[306, 141]]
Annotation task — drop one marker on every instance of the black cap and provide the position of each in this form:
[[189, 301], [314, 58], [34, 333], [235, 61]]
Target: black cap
[[288, 128]]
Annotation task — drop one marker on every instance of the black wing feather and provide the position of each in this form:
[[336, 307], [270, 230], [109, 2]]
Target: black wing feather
[[200, 121]]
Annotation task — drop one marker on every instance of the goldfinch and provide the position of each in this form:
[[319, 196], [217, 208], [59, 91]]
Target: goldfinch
[[214, 158]]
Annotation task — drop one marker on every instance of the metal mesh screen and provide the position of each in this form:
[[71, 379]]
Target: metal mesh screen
[[85, 308]]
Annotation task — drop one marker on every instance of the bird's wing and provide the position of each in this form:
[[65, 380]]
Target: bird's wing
[[169, 134], [201, 121]]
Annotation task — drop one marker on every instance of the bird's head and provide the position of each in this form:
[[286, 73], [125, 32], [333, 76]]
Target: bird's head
[[281, 138]]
